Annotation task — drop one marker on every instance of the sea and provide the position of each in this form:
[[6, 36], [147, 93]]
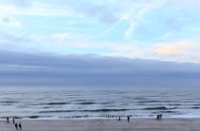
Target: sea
[[92, 103]]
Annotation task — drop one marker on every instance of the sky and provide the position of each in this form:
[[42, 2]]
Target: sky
[[42, 35]]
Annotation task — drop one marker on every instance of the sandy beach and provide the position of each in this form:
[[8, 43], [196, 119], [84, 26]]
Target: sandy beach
[[106, 125]]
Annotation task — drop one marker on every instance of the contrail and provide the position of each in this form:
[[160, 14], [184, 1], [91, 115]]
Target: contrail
[[105, 31]]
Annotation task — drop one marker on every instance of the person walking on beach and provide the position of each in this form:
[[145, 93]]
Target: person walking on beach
[[13, 120], [16, 126], [20, 126], [7, 119], [128, 118], [119, 118]]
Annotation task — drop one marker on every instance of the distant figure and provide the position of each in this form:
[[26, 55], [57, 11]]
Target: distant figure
[[7, 119], [159, 117], [13, 120], [128, 118], [119, 118], [20, 126], [16, 126]]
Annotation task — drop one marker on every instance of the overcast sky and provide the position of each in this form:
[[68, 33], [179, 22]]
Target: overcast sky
[[22, 69], [100, 42]]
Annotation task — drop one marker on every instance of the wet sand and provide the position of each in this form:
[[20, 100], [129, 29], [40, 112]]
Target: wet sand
[[105, 125]]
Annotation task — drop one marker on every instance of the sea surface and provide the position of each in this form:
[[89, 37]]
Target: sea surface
[[72, 103]]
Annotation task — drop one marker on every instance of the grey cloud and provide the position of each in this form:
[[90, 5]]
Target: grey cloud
[[11, 22], [108, 17], [14, 41], [98, 10], [102, 13], [6, 20], [21, 69], [18, 3], [23, 3]]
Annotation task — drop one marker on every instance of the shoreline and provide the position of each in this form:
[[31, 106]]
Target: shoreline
[[98, 118], [141, 124], [89, 118]]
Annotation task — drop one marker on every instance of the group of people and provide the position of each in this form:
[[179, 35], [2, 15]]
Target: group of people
[[128, 118], [17, 125], [159, 117]]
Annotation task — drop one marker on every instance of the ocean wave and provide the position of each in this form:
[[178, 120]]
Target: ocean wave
[[171, 112], [54, 103], [66, 102], [96, 110], [87, 103], [74, 116], [174, 104], [195, 107], [57, 111], [105, 110], [9, 101], [148, 101], [33, 117], [158, 108]]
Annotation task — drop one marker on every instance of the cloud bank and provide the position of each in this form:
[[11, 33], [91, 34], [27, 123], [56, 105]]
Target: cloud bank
[[21, 69]]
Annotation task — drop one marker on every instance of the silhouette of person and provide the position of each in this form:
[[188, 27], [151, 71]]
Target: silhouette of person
[[157, 118], [16, 126], [128, 118], [119, 118], [13, 120], [160, 116], [20, 126], [7, 119]]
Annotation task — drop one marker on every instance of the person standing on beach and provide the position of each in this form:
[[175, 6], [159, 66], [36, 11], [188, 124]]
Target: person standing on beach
[[13, 120], [128, 118], [7, 119], [119, 118], [20, 126], [16, 126]]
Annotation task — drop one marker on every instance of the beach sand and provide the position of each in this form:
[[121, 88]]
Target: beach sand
[[106, 125]]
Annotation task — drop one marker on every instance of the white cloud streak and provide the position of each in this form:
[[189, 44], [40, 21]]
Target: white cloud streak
[[10, 22], [36, 9]]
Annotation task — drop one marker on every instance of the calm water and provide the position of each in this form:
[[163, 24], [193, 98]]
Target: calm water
[[64, 103]]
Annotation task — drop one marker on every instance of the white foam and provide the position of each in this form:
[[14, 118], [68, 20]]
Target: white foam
[[187, 115]]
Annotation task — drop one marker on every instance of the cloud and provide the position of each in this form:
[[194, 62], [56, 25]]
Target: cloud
[[85, 8], [15, 38], [166, 36], [183, 50], [181, 47], [136, 16], [22, 69], [154, 19], [105, 31], [185, 4], [105, 12], [33, 9], [21, 3], [134, 21], [102, 13], [105, 28], [128, 50], [17, 3], [11, 22], [68, 43], [62, 38]]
